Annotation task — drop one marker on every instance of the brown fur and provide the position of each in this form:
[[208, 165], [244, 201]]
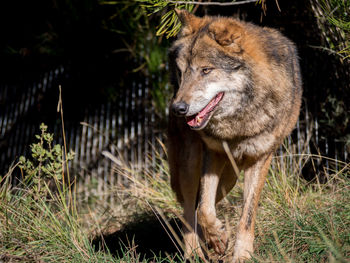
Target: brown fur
[[258, 71]]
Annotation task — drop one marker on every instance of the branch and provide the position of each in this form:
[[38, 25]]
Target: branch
[[213, 3]]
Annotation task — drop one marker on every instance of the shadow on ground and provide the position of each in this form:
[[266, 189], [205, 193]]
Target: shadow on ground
[[146, 234]]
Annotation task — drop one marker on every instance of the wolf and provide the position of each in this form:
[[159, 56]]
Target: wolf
[[235, 84]]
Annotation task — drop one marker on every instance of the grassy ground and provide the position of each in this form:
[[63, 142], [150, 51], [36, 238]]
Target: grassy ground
[[297, 221]]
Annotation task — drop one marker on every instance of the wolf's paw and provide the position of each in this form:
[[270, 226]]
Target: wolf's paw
[[241, 257], [218, 240], [243, 249], [194, 255], [192, 249]]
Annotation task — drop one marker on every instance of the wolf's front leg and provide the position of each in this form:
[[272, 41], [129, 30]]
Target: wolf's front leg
[[213, 229], [254, 179], [192, 247]]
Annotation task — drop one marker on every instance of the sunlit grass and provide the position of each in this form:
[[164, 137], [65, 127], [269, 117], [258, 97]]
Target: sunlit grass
[[298, 221]]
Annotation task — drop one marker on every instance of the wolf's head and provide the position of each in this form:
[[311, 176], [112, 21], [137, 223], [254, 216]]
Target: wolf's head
[[210, 73]]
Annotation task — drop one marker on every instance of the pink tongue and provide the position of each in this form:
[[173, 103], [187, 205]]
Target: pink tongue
[[192, 120]]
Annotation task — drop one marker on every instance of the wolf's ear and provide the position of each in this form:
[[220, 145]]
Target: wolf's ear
[[228, 34], [185, 17], [189, 21]]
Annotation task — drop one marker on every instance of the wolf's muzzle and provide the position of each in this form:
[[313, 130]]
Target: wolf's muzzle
[[180, 108]]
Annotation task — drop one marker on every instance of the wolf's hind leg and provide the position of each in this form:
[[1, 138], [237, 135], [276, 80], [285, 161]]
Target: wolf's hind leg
[[212, 227], [185, 166], [189, 190], [227, 182], [192, 247]]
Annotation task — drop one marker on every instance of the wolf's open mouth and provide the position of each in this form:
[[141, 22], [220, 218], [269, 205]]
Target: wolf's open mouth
[[199, 120]]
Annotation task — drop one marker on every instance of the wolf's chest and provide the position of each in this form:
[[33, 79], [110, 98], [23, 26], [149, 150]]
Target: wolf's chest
[[242, 147]]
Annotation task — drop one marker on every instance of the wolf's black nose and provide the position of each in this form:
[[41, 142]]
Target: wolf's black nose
[[179, 108]]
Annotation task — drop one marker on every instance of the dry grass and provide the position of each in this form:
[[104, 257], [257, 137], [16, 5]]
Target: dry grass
[[298, 221]]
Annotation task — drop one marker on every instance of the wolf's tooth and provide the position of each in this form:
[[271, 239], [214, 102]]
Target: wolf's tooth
[[198, 119]]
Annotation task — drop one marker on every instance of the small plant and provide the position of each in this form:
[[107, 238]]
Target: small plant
[[47, 162], [38, 222]]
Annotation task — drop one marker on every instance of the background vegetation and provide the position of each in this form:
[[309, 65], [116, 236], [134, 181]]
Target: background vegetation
[[102, 42]]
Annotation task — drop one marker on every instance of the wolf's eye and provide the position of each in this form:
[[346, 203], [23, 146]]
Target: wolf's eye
[[237, 67], [206, 71]]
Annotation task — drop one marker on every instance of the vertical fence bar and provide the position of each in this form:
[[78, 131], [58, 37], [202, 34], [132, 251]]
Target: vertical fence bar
[[140, 114], [336, 156], [326, 146], [83, 161], [345, 152]]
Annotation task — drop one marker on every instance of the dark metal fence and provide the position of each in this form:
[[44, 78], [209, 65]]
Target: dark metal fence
[[19, 104], [128, 128]]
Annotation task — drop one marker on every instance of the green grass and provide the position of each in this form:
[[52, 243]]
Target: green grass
[[42, 228], [301, 222], [297, 221], [336, 12]]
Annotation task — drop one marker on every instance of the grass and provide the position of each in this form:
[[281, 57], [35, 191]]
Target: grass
[[41, 229], [336, 12], [298, 221], [304, 222]]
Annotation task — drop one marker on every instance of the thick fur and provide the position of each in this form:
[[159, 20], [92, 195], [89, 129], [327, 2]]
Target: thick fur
[[258, 71]]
